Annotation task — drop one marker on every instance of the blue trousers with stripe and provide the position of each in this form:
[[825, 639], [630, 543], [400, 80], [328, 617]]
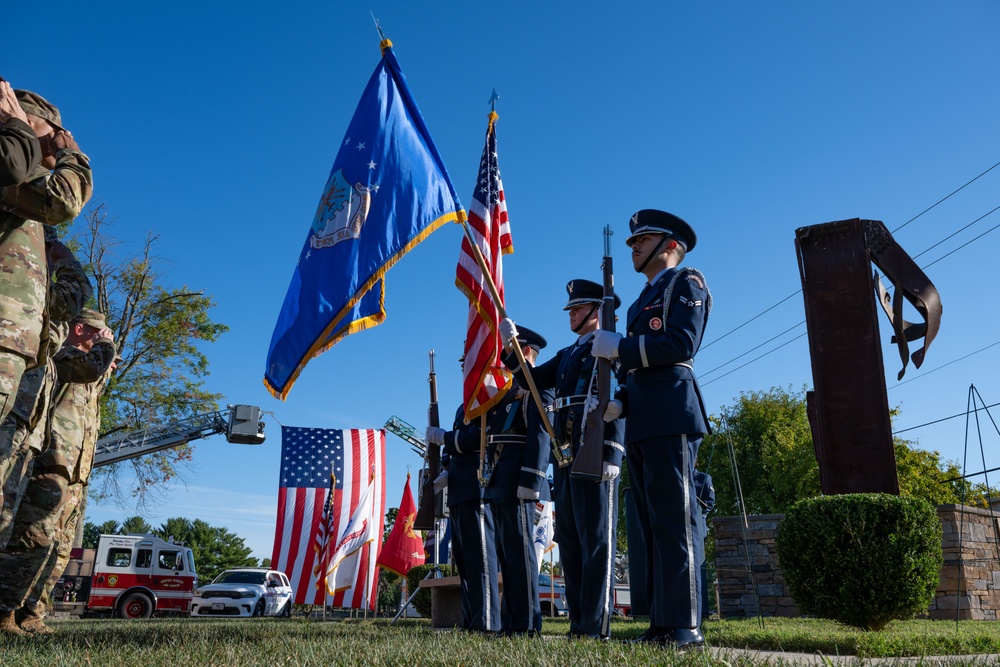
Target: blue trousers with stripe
[[474, 548], [520, 609]]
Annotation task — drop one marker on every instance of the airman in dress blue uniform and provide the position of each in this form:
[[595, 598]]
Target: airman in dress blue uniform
[[665, 418], [517, 455], [585, 528], [473, 534]]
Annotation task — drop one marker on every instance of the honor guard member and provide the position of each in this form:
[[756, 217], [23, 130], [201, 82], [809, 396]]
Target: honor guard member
[[705, 493], [473, 543], [54, 192], [586, 529], [517, 455], [665, 418]]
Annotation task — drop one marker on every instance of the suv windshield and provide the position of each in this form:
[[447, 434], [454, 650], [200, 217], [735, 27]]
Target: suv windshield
[[233, 577]]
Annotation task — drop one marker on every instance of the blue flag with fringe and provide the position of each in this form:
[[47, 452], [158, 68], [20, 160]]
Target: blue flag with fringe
[[387, 191]]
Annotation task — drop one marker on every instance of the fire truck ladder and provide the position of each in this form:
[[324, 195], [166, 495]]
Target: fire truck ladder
[[240, 423], [408, 433]]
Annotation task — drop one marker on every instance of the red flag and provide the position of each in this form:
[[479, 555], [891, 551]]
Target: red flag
[[486, 379], [403, 548], [306, 456]]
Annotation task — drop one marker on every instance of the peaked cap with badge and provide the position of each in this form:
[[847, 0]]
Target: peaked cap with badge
[[586, 291], [652, 221], [526, 336]]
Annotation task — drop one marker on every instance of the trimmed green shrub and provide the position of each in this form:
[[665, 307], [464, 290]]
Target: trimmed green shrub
[[422, 602], [862, 559]]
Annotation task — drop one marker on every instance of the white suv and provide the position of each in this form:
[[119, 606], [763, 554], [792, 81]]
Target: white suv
[[245, 591]]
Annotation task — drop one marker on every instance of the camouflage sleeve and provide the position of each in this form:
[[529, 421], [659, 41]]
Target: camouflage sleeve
[[74, 365], [20, 152], [66, 190], [69, 288]]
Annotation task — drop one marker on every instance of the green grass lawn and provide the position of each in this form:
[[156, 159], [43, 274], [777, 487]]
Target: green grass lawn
[[197, 642]]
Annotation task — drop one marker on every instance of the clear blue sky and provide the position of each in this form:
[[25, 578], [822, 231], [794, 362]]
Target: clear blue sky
[[215, 125]]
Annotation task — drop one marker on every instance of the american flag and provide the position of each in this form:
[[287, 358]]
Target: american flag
[[486, 379], [304, 488]]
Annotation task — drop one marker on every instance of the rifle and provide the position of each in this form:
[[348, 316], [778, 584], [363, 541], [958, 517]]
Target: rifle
[[589, 461], [424, 520]]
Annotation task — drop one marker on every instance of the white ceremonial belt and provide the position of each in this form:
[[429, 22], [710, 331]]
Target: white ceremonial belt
[[565, 402], [505, 438]]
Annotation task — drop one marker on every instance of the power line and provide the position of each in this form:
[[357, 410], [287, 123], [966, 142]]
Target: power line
[[942, 200], [966, 243], [764, 312], [753, 348], [705, 384], [959, 231], [943, 419], [954, 361]]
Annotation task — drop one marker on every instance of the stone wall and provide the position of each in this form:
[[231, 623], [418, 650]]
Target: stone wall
[[979, 597]]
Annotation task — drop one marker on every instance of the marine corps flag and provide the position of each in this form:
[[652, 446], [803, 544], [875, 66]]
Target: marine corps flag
[[387, 191], [403, 548]]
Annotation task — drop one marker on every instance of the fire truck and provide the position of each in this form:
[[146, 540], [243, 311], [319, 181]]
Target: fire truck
[[129, 576], [133, 576]]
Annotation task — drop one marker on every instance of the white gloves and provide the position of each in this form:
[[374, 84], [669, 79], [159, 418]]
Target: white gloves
[[508, 332], [613, 411], [605, 344], [435, 435], [440, 481], [610, 472], [524, 493]]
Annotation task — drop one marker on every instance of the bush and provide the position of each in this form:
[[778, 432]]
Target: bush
[[861, 559], [422, 601]]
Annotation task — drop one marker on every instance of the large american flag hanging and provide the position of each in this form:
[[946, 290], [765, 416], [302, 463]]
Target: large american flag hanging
[[486, 379], [304, 486]]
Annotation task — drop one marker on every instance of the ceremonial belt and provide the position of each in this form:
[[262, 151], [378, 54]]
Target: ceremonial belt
[[506, 439], [912, 284], [565, 402]]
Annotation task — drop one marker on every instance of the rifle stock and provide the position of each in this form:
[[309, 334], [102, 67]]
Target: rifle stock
[[589, 461], [424, 520]]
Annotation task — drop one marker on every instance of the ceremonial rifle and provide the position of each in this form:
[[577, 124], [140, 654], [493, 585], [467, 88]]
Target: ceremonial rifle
[[589, 460], [424, 520]]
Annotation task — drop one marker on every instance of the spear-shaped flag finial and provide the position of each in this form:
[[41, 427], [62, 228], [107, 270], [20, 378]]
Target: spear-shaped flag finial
[[384, 42], [493, 100]]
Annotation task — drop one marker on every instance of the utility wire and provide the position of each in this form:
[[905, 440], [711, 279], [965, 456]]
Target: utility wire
[[706, 373], [943, 419], [953, 361], [945, 198], [705, 384], [764, 312]]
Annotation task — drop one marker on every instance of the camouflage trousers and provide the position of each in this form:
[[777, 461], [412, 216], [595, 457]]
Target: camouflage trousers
[[39, 598], [32, 552], [18, 447], [11, 369]]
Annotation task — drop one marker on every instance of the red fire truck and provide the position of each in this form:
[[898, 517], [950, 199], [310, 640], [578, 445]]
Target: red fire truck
[[129, 576]]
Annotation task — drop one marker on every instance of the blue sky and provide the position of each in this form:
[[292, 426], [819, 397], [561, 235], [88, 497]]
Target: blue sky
[[215, 125]]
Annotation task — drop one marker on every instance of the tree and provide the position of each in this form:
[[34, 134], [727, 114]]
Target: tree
[[215, 548], [159, 331], [92, 531], [136, 524], [773, 447]]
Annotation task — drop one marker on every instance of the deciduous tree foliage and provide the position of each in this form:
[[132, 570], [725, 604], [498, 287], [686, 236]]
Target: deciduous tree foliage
[[215, 548], [777, 464], [160, 331]]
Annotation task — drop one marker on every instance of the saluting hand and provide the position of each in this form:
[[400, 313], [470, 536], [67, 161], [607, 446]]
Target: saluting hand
[[9, 106]]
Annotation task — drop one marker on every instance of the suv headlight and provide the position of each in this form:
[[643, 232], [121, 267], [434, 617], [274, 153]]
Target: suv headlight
[[249, 594], [197, 593]]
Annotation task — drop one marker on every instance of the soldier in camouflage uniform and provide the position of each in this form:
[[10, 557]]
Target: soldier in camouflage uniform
[[55, 192], [31, 555], [22, 434], [30, 616]]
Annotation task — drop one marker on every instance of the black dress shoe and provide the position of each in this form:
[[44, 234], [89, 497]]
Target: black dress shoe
[[653, 635], [685, 639]]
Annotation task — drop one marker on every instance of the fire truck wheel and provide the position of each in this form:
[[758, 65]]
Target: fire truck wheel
[[136, 605], [286, 611], [258, 611]]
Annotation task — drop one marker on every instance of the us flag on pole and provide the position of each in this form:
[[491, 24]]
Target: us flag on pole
[[304, 487], [486, 379]]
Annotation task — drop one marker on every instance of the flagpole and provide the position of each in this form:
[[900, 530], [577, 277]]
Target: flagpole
[[522, 362]]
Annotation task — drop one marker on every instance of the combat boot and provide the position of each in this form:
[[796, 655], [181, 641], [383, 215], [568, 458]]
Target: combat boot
[[8, 626], [35, 626]]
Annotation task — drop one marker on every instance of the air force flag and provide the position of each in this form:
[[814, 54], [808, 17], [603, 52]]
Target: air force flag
[[387, 191]]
